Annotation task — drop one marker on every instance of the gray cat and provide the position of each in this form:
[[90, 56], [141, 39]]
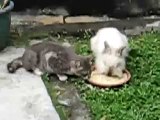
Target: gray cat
[[52, 58]]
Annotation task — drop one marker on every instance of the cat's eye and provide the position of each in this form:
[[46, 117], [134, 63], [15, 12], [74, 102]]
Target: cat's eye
[[85, 72]]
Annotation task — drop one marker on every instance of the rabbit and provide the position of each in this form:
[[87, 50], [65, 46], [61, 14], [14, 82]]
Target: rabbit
[[110, 48]]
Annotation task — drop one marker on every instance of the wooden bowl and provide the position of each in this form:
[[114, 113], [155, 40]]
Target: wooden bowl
[[107, 81]]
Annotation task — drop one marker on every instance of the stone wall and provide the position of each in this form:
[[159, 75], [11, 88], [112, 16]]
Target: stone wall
[[116, 8]]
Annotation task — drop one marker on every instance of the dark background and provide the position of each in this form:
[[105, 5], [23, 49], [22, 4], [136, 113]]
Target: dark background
[[116, 8]]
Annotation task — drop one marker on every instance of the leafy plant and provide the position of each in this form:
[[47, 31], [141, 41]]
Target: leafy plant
[[3, 3]]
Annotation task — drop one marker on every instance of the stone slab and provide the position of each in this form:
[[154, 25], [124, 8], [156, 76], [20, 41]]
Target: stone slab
[[46, 20], [23, 95], [85, 19]]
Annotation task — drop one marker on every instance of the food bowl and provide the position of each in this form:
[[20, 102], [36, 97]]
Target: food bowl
[[108, 81]]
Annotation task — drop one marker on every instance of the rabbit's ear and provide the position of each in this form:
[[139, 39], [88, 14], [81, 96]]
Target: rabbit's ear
[[106, 48], [106, 45], [120, 51]]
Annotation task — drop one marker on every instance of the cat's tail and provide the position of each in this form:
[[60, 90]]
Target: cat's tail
[[14, 65]]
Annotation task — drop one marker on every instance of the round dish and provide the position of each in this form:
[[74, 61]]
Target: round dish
[[107, 81]]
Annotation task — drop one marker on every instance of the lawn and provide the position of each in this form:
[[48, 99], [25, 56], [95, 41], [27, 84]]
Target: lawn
[[137, 100]]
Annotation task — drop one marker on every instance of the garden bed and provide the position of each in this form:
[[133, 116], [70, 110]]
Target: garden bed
[[138, 100]]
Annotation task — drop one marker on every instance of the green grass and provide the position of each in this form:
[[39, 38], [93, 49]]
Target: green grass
[[137, 100]]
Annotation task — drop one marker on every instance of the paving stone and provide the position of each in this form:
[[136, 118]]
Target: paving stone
[[18, 19], [23, 95]]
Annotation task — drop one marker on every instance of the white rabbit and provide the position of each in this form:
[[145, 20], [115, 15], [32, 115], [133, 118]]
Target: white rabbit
[[110, 48]]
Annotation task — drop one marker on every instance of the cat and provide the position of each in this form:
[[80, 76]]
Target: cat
[[53, 58], [110, 48]]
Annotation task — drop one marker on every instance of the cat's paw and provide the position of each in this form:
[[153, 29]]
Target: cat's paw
[[62, 77], [66, 44], [38, 72]]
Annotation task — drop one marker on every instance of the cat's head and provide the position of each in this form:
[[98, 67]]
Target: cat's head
[[82, 66]]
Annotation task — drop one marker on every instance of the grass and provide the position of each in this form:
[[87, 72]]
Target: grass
[[137, 100]]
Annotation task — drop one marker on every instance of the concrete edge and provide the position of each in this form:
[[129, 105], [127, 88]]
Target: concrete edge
[[132, 26]]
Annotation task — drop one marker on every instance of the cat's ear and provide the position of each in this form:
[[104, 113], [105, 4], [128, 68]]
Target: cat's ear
[[78, 63], [106, 48], [75, 63], [120, 51], [66, 44]]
